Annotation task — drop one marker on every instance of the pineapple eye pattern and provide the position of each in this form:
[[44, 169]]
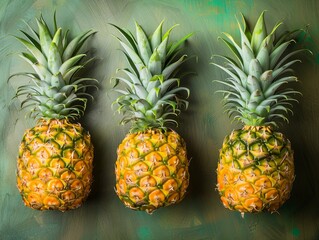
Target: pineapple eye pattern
[[154, 154], [256, 95], [56, 96]]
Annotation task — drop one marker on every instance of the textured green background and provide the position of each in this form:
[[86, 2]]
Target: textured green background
[[200, 215]]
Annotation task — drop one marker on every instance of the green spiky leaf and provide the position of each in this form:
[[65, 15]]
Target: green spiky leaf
[[152, 95], [258, 72], [55, 91]]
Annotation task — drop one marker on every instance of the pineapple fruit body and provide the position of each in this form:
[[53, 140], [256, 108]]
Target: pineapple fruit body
[[152, 167], [256, 170], [256, 167], [151, 170], [54, 169]]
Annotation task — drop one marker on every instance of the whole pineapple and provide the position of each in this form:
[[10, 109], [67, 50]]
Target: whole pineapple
[[256, 167], [152, 166], [54, 168]]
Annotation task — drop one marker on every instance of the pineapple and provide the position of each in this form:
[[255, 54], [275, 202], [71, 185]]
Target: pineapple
[[256, 168], [152, 166], [54, 166]]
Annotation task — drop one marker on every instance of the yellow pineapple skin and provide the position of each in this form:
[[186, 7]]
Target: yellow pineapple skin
[[151, 170], [256, 170], [54, 166]]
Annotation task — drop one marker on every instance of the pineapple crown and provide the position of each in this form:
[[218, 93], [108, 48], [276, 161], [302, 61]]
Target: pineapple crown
[[152, 95], [55, 91], [257, 75]]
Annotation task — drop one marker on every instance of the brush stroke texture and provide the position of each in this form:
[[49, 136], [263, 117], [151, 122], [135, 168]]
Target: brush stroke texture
[[200, 215]]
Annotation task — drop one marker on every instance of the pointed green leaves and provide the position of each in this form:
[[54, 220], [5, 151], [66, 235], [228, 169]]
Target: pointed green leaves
[[170, 69], [155, 64], [54, 59], [175, 46], [44, 35], [71, 62], [152, 94], [128, 36], [156, 38], [57, 40], [259, 33], [56, 92], [235, 49], [75, 44], [258, 72], [143, 44], [133, 56], [34, 51]]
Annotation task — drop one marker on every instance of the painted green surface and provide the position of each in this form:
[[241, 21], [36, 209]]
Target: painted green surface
[[200, 215]]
